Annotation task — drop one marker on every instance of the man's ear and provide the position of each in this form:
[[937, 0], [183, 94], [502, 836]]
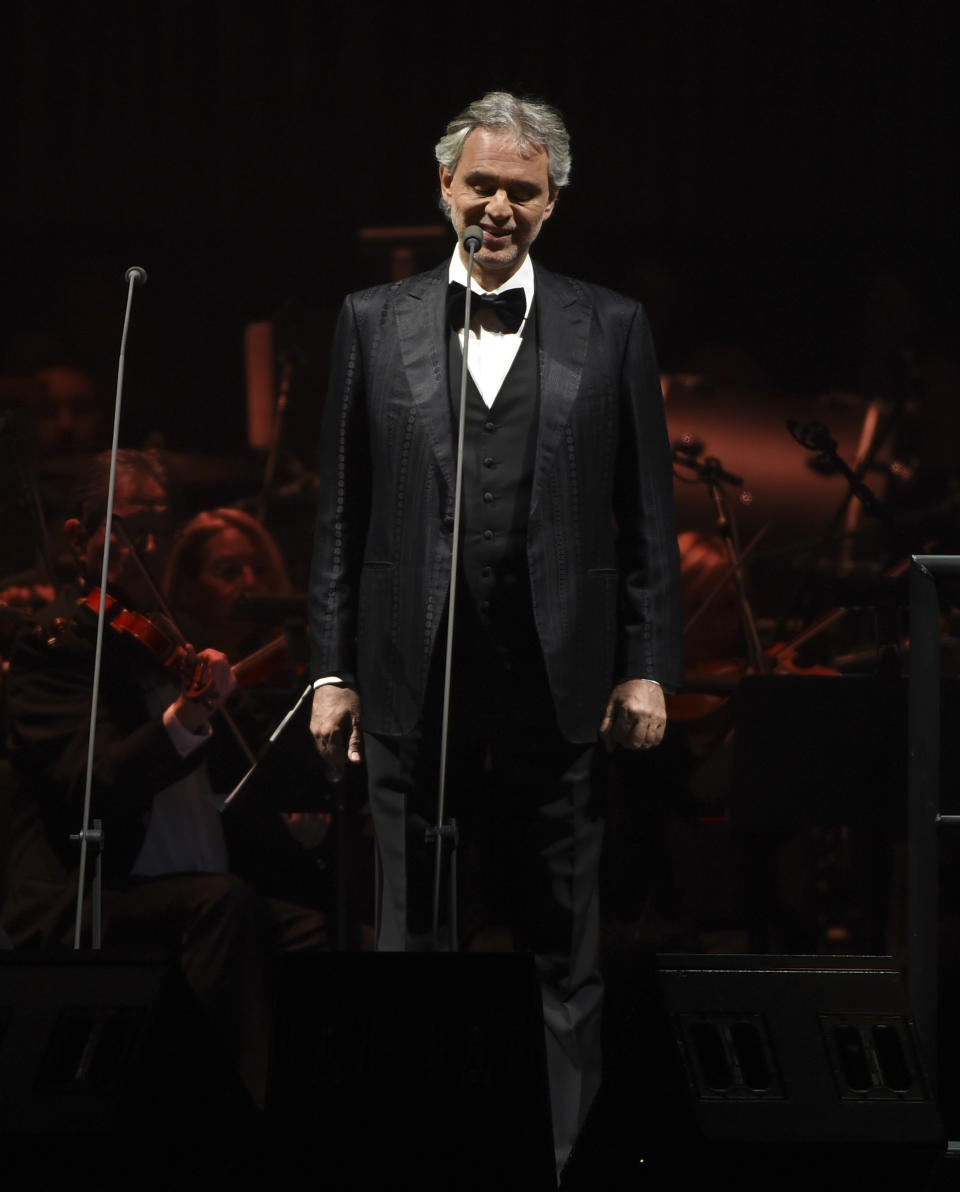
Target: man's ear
[[446, 178]]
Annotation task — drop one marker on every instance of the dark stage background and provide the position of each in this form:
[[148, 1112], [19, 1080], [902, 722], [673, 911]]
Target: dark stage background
[[777, 184], [750, 171]]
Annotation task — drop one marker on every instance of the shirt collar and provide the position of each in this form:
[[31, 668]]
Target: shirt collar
[[523, 277]]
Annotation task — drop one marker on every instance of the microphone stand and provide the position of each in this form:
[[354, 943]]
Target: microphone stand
[[815, 436], [447, 831], [710, 472], [336, 780], [93, 837], [285, 720]]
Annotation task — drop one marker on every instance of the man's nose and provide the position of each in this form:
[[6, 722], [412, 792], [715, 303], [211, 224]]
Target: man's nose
[[498, 205]]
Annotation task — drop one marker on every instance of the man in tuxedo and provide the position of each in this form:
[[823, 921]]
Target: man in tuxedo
[[568, 607]]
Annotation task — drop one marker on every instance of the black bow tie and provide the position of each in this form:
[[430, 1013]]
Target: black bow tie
[[510, 306]]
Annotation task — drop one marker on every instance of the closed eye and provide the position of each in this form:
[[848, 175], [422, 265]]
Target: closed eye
[[519, 192]]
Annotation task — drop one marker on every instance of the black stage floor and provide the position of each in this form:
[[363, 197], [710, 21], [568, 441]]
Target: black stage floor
[[427, 1071]]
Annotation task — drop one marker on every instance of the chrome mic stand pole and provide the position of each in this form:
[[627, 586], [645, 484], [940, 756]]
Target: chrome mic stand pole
[[134, 276], [713, 475], [710, 472], [472, 239]]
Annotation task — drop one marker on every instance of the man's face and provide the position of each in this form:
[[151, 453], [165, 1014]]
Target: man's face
[[67, 416], [504, 189], [143, 504]]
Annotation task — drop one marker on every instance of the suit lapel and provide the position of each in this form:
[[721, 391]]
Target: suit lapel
[[563, 324], [422, 332]]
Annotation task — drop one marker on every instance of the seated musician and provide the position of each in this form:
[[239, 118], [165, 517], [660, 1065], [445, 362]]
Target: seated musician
[[220, 556], [169, 878]]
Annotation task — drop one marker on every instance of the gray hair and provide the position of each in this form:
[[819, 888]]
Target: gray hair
[[90, 499], [531, 121]]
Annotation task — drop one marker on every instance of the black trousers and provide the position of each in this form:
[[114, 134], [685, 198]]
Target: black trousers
[[530, 834]]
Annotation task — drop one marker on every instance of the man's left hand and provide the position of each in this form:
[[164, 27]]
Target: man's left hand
[[636, 716]]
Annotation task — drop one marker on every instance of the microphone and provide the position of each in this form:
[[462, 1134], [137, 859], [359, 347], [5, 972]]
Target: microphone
[[710, 470], [472, 238], [713, 465], [812, 435], [137, 274], [689, 445]]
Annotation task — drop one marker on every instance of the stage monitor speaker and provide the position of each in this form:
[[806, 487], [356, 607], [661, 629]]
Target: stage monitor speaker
[[422, 1070], [108, 1067], [804, 1071]]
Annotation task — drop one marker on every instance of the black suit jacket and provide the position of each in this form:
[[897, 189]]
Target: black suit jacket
[[601, 543]]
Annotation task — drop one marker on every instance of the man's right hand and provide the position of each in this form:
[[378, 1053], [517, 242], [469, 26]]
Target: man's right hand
[[218, 682], [335, 723]]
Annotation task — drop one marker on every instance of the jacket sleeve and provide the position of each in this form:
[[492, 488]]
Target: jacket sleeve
[[650, 628], [342, 508]]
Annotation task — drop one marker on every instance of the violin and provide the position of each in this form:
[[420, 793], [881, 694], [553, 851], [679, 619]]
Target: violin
[[165, 647], [176, 657]]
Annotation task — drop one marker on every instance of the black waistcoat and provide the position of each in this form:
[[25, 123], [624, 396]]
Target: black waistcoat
[[499, 453]]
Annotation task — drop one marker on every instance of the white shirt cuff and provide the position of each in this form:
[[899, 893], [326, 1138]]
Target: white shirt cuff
[[182, 739], [327, 681]]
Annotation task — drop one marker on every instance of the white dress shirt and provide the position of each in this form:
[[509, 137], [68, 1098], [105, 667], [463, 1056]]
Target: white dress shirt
[[185, 831], [492, 352]]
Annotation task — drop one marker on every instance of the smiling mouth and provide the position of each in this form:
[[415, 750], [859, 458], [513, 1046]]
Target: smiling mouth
[[490, 234]]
